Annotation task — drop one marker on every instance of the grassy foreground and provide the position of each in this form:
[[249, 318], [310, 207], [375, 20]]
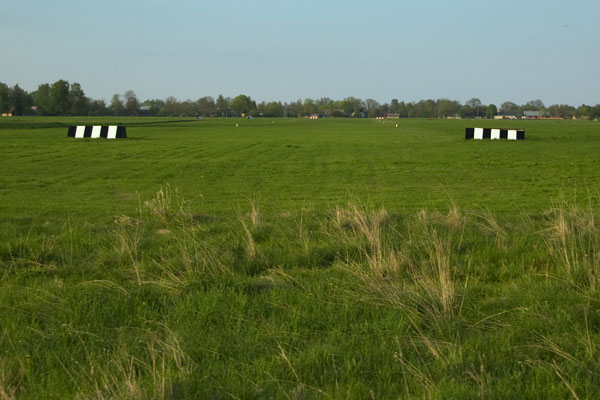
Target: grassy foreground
[[342, 259]]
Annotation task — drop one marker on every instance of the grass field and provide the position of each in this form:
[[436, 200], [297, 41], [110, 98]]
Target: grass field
[[299, 259]]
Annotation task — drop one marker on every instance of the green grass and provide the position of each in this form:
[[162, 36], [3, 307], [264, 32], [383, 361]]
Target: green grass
[[299, 259]]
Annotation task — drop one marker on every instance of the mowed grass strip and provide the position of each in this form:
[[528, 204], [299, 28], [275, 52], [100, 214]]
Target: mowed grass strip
[[299, 259], [294, 164]]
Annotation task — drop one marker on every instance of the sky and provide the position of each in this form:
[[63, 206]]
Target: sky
[[286, 50]]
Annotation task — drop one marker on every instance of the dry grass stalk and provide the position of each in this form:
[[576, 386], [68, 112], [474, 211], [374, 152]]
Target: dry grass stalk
[[573, 240]]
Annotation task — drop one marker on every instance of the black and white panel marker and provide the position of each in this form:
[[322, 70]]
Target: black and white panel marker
[[97, 132], [488, 133]]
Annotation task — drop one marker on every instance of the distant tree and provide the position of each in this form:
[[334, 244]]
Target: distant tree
[[271, 109], [533, 105], [171, 106], [59, 97], [4, 98], [561, 111], [156, 106], [222, 105], [19, 100], [79, 103], [131, 103], [97, 108], [325, 106], [206, 106], [242, 104], [42, 99], [466, 112], [394, 106], [351, 106], [295, 108], [403, 110], [371, 107], [475, 105], [583, 112], [491, 111], [447, 108], [509, 107], [309, 107], [116, 105]]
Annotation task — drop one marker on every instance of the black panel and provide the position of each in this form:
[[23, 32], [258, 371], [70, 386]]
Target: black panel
[[469, 133], [88, 131], [71, 131], [104, 132], [503, 133], [487, 133], [520, 135], [121, 132]]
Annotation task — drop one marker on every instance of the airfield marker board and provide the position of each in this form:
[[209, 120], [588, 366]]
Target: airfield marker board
[[494, 134], [97, 131]]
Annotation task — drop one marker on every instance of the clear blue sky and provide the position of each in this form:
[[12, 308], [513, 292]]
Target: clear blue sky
[[285, 50]]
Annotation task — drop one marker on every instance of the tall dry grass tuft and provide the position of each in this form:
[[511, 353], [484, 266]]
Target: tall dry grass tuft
[[156, 373], [193, 257], [412, 272], [432, 276], [573, 241], [166, 204], [12, 378], [128, 237], [489, 226]]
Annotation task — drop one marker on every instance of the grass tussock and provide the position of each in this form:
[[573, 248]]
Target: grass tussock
[[573, 242]]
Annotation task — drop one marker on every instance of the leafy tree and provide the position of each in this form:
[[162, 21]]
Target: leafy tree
[[19, 100], [171, 107], [4, 98], [561, 111], [97, 107], [295, 108], [116, 105], [206, 106], [447, 108], [59, 97], [309, 107], [371, 107], [533, 105], [242, 104], [491, 111], [583, 112], [79, 103], [509, 107], [466, 112], [394, 106], [222, 105], [474, 104], [131, 103], [42, 99]]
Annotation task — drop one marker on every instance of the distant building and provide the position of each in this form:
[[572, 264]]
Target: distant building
[[393, 115], [535, 115], [506, 115]]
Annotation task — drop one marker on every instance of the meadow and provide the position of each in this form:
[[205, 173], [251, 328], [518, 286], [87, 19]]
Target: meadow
[[288, 258]]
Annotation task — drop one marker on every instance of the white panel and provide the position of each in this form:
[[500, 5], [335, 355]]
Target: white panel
[[495, 133], [112, 132], [96, 131], [512, 134], [478, 133], [80, 131]]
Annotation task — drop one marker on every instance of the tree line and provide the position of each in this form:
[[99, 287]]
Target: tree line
[[64, 98]]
